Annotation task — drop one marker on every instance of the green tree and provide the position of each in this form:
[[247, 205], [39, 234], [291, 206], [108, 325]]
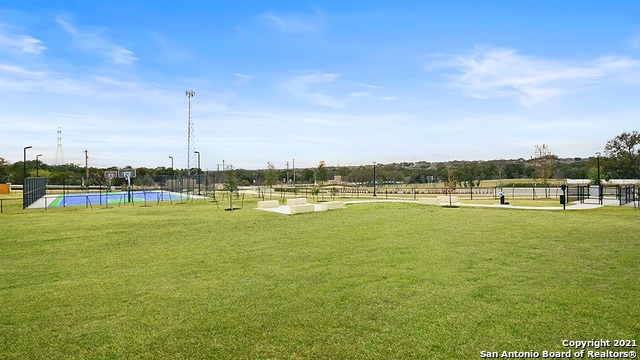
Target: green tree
[[624, 155], [4, 170], [308, 176], [469, 172], [271, 177]]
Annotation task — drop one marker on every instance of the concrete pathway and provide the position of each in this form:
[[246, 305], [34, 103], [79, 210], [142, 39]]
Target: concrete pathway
[[573, 206], [286, 210]]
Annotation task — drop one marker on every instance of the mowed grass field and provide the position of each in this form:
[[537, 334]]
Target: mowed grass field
[[372, 281]]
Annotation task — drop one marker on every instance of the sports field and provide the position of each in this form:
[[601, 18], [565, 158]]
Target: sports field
[[372, 281]]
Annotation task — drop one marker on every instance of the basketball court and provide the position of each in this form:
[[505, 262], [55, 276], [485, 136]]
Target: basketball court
[[116, 198]]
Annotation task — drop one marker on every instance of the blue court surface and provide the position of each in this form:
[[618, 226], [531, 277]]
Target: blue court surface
[[111, 198]]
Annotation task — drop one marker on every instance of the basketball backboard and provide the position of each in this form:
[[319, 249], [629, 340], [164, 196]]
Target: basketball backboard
[[127, 173], [110, 175]]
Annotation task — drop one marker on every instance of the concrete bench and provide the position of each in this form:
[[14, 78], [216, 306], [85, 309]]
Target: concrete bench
[[302, 208], [332, 205], [296, 201], [268, 204], [442, 200]]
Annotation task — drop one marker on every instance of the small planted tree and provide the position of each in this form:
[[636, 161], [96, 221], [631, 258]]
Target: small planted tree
[[322, 176], [500, 169], [230, 184], [450, 186], [271, 177], [543, 163]]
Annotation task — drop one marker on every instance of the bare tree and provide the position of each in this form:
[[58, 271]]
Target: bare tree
[[500, 171], [543, 163]]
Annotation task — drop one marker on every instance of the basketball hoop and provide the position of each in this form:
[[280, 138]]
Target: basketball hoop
[[127, 173]]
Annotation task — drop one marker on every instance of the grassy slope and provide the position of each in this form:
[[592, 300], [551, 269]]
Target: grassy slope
[[370, 281]]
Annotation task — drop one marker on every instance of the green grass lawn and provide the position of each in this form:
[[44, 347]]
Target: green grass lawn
[[372, 281]]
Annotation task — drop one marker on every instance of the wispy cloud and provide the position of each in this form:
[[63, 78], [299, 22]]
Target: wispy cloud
[[95, 41], [495, 73], [243, 78], [291, 23], [21, 71], [302, 87], [21, 43], [19, 78]]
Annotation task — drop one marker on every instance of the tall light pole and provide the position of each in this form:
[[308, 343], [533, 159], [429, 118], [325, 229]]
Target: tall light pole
[[190, 94], [198, 171], [599, 184], [37, 162], [171, 157], [86, 166], [24, 163], [374, 178]]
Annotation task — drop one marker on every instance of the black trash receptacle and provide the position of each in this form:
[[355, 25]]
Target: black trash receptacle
[[501, 199], [561, 199]]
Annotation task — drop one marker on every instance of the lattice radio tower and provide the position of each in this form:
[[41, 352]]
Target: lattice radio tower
[[190, 141], [59, 158]]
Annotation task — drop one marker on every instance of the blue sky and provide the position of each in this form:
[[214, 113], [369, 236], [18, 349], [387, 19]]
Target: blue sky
[[347, 82]]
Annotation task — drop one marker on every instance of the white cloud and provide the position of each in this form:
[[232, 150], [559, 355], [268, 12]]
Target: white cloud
[[95, 41], [22, 43], [496, 73], [301, 87]]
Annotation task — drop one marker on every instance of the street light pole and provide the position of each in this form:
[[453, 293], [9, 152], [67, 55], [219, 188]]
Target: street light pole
[[198, 171], [599, 184], [172, 179], [24, 164], [37, 162], [374, 178]]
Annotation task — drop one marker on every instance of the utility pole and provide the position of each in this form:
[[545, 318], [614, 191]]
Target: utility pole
[[190, 94]]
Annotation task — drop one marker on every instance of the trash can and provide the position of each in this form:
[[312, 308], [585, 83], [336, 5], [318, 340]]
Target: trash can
[[501, 199], [562, 199]]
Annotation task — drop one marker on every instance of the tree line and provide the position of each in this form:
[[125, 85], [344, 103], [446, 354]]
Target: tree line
[[621, 159]]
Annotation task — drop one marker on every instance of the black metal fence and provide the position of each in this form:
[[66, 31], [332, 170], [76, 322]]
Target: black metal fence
[[578, 193], [32, 190], [626, 194], [201, 184]]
